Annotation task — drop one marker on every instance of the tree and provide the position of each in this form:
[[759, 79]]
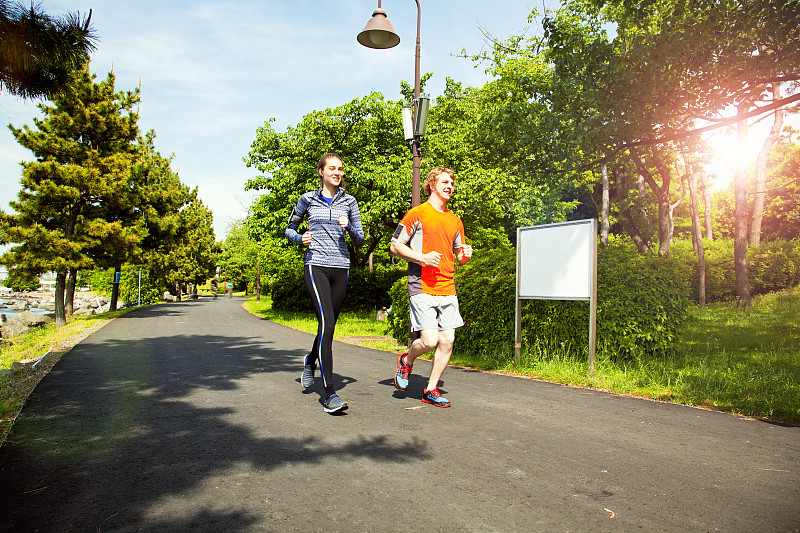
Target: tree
[[782, 203], [83, 148], [193, 251], [38, 52], [367, 133], [638, 95], [237, 261]]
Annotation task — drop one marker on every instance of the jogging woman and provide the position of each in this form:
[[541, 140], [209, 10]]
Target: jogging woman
[[331, 213]]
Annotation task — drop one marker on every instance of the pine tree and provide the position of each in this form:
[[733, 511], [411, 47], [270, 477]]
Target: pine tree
[[84, 148]]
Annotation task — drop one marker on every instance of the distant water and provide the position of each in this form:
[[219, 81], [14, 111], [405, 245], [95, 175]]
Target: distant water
[[9, 313]]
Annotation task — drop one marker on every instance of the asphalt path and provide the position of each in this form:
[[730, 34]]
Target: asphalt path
[[190, 417]]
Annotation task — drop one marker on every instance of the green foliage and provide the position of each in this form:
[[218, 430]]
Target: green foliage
[[398, 320], [20, 280], [38, 52], [367, 133], [365, 290], [774, 265], [370, 290], [288, 292], [782, 203], [642, 304], [237, 260], [102, 281]]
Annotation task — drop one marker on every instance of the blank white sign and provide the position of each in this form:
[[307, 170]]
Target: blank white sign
[[555, 261]]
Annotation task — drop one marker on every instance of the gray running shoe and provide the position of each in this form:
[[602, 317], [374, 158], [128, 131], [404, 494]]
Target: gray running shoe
[[307, 377], [334, 404]]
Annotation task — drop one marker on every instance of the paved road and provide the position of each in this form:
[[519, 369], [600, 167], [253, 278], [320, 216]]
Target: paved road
[[190, 417]]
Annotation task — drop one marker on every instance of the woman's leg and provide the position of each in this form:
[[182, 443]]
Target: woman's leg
[[324, 286]]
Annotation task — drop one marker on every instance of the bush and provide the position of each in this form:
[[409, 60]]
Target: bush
[[365, 290], [370, 290], [773, 266], [642, 304], [102, 282], [398, 320]]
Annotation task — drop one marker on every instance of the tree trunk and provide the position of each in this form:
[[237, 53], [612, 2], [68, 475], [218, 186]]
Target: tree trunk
[[697, 237], [61, 317], [707, 202], [605, 224], [69, 295], [626, 217], [761, 169], [672, 209], [662, 196], [258, 276], [741, 267], [178, 291], [115, 288]]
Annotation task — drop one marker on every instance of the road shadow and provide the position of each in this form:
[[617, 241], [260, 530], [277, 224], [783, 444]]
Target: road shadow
[[117, 427]]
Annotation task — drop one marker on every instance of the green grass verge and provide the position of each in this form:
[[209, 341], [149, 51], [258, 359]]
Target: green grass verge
[[741, 361], [349, 325]]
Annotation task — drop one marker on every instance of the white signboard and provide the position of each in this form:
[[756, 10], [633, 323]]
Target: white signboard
[[558, 262], [554, 261]]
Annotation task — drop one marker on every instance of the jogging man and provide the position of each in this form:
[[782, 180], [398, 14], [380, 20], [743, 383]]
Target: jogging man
[[430, 238]]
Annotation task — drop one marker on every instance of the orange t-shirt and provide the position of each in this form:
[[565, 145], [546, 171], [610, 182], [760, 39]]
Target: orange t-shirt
[[425, 229]]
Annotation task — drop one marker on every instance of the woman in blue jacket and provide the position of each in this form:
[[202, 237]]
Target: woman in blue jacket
[[331, 213]]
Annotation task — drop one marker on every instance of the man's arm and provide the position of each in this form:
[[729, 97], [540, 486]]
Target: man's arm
[[403, 251], [464, 253]]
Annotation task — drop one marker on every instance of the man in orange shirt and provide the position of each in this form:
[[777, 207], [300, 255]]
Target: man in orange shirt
[[430, 238]]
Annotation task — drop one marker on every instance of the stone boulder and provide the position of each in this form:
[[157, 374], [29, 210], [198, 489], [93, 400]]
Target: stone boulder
[[168, 297], [22, 323], [19, 305]]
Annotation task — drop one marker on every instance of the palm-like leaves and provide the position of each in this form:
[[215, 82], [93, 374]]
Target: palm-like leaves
[[38, 51]]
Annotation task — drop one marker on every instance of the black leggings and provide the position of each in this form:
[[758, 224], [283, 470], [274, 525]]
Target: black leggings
[[326, 286]]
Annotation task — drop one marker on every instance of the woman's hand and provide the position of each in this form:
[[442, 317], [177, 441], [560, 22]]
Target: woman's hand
[[307, 238], [343, 221]]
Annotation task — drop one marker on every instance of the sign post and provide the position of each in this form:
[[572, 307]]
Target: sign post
[[557, 262]]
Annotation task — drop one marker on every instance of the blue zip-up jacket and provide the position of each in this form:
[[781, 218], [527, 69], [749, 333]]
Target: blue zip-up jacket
[[328, 246]]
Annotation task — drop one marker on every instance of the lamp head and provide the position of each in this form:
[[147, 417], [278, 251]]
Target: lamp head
[[378, 33]]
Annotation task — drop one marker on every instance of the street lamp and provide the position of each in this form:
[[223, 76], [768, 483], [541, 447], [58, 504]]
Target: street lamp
[[378, 33]]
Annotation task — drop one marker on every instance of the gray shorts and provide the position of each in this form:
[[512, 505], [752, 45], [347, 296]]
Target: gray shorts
[[434, 312]]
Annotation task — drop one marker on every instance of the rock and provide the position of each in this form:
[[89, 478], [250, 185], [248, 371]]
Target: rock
[[5, 343], [22, 323], [19, 305], [168, 297], [19, 366]]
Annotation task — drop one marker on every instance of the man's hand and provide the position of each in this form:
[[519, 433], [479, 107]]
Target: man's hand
[[431, 259], [465, 253], [307, 238]]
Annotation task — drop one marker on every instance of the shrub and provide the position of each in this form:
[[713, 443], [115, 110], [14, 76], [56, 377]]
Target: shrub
[[773, 266], [398, 320], [642, 304], [102, 282], [365, 290]]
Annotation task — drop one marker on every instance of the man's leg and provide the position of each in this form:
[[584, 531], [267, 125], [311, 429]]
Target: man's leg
[[441, 357], [425, 343]]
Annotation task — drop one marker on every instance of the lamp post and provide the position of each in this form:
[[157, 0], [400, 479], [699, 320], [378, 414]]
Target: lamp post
[[378, 33]]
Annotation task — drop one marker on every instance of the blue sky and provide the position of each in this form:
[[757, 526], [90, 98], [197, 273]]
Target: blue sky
[[212, 72]]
